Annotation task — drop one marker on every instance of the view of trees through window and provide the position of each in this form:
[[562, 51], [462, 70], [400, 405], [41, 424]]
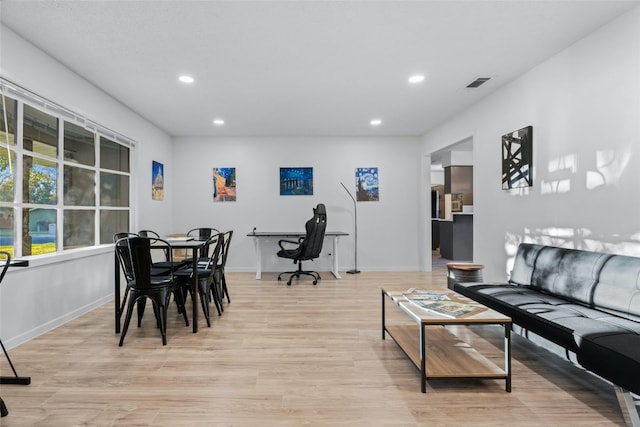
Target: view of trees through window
[[73, 190]]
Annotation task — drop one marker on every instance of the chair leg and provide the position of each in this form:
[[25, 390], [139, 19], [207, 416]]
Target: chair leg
[[127, 320], [141, 305], [224, 288], [178, 296], [299, 272], [204, 301]]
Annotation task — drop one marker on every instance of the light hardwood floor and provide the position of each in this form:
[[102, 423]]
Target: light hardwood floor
[[286, 356]]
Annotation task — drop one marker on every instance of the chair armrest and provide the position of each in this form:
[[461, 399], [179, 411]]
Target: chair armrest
[[292, 242]]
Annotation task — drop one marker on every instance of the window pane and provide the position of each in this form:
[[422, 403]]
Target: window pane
[[39, 236], [7, 232], [11, 118], [79, 187], [79, 228], [40, 132], [79, 145], [7, 175], [112, 222], [39, 181], [114, 190], [113, 155]]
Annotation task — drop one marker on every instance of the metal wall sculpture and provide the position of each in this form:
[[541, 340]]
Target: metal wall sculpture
[[517, 168]]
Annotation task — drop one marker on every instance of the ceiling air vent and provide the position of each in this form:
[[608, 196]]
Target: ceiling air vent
[[478, 82]]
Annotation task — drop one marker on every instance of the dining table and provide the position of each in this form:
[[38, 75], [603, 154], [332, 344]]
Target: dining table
[[195, 246]]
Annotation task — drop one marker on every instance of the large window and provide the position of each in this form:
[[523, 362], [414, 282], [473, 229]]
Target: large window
[[75, 183]]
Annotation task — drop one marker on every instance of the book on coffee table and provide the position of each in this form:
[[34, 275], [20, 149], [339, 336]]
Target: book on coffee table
[[448, 308]]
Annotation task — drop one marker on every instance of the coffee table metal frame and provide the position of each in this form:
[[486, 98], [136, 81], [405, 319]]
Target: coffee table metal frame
[[407, 340]]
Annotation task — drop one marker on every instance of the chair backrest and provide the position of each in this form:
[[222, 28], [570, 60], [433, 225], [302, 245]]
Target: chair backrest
[[135, 258], [202, 234], [224, 252], [123, 254], [315, 228], [214, 248], [6, 256], [122, 235], [155, 237], [148, 233]]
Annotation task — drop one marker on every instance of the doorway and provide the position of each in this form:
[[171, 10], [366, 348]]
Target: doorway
[[451, 202]]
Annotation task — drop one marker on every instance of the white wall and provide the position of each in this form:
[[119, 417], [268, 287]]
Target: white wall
[[55, 289], [584, 106], [386, 229]]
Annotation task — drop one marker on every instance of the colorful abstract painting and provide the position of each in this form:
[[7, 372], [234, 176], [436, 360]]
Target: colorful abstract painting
[[296, 181], [367, 185], [224, 184], [157, 181]]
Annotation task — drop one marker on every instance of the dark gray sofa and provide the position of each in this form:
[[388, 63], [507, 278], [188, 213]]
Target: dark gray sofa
[[587, 303]]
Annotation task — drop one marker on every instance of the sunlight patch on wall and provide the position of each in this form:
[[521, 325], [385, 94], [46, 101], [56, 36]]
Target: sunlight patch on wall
[[610, 165], [560, 168]]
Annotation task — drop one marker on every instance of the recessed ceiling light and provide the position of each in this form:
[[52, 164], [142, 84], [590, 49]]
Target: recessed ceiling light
[[186, 79], [218, 122], [416, 78], [375, 122]]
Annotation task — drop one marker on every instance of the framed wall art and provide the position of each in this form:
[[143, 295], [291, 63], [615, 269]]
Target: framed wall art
[[296, 181], [517, 157], [367, 185], [157, 181], [224, 184]]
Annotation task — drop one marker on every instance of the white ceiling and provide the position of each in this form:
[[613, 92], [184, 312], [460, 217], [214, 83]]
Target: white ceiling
[[303, 67]]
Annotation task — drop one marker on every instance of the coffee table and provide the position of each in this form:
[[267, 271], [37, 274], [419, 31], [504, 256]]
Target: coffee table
[[433, 349]]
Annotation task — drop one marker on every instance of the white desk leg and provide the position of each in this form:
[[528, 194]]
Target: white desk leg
[[256, 240], [335, 258]]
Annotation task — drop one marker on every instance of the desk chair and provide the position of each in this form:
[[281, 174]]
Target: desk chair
[[308, 247]]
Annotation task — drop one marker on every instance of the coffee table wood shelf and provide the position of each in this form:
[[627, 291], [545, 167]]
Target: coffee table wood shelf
[[446, 355]]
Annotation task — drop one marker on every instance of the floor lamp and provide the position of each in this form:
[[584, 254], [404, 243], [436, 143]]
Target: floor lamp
[[355, 229]]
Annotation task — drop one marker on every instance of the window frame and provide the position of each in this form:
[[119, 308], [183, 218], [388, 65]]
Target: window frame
[[63, 116]]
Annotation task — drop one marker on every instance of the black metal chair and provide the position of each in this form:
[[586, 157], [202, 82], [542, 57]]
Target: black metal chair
[[219, 276], [205, 271], [202, 234], [308, 247], [135, 258], [116, 237], [161, 266]]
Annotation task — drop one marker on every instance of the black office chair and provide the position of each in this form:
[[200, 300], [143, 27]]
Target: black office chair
[[308, 247], [135, 258]]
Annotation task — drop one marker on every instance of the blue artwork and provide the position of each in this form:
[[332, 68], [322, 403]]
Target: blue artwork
[[367, 185], [157, 181], [296, 181]]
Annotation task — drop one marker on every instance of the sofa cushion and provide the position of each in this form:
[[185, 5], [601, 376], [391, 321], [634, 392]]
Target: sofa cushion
[[613, 356]]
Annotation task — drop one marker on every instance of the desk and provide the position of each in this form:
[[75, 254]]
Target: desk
[[259, 235], [195, 246]]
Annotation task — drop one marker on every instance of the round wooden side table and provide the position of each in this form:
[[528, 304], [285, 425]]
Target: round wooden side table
[[459, 272]]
